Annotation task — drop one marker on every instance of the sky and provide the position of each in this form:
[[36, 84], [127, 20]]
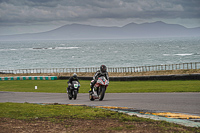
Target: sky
[[33, 16]]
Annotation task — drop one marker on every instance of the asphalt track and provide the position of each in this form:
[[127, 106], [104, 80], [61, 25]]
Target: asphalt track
[[169, 102]]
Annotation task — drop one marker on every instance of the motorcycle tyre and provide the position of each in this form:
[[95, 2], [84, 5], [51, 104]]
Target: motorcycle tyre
[[102, 92], [75, 94], [70, 97]]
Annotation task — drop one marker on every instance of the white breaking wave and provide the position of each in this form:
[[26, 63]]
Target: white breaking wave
[[57, 48], [66, 47], [166, 54], [40, 48], [187, 54], [8, 49], [184, 54]]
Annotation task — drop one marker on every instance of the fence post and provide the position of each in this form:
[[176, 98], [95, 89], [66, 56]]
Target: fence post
[[195, 65]]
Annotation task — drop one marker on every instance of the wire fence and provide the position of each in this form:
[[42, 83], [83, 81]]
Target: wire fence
[[180, 66]]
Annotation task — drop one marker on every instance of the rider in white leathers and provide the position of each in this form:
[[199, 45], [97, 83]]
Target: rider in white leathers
[[101, 72]]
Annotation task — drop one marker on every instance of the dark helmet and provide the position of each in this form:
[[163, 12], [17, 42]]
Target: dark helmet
[[75, 76], [103, 68]]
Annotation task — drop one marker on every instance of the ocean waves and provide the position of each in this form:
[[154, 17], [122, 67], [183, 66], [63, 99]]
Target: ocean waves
[[93, 53], [186, 54], [40, 48]]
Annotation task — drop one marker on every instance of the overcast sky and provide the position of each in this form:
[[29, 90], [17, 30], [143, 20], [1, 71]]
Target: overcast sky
[[31, 16]]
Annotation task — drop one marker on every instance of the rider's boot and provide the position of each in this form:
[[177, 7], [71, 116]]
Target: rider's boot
[[90, 91], [91, 87]]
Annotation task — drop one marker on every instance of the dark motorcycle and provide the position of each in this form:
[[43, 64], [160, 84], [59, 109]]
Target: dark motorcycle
[[73, 90], [99, 89]]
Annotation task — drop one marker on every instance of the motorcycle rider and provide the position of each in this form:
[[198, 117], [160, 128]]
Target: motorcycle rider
[[73, 78], [99, 73]]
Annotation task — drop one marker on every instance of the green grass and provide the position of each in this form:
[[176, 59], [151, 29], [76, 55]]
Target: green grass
[[27, 111], [32, 111], [59, 86], [61, 113]]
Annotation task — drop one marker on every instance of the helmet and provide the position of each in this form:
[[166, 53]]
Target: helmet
[[75, 76], [103, 68]]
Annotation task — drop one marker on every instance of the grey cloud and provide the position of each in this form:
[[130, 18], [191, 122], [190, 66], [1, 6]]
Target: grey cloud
[[33, 11]]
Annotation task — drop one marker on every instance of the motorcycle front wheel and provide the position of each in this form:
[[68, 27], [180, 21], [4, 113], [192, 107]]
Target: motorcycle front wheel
[[70, 98], [69, 95], [75, 94], [102, 90]]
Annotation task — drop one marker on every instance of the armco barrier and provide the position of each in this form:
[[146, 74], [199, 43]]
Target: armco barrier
[[80, 78], [29, 78], [145, 78], [130, 78], [158, 77]]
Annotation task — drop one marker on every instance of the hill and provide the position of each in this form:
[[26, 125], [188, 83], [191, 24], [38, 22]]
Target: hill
[[132, 30]]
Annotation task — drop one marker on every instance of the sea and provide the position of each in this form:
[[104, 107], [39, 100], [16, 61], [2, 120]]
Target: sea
[[95, 52]]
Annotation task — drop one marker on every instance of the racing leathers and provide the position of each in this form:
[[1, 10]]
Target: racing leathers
[[95, 78], [70, 82]]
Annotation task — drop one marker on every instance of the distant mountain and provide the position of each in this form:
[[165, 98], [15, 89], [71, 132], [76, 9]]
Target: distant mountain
[[132, 30]]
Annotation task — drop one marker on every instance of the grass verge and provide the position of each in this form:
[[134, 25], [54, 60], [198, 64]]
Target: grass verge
[[78, 119], [59, 86]]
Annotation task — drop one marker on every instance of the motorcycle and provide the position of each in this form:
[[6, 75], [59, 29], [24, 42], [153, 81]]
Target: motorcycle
[[73, 90], [99, 89]]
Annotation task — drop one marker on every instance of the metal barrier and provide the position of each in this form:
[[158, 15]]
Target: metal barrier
[[185, 66], [144, 78]]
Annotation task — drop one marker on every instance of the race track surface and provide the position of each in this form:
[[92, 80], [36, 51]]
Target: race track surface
[[172, 102]]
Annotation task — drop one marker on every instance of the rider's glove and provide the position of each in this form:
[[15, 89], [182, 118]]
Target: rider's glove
[[95, 80]]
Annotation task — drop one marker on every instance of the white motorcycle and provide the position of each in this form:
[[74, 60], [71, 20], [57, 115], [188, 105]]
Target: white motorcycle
[[99, 89]]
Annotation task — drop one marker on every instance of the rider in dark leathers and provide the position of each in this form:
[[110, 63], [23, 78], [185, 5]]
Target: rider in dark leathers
[[73, 78], [99, 73]]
